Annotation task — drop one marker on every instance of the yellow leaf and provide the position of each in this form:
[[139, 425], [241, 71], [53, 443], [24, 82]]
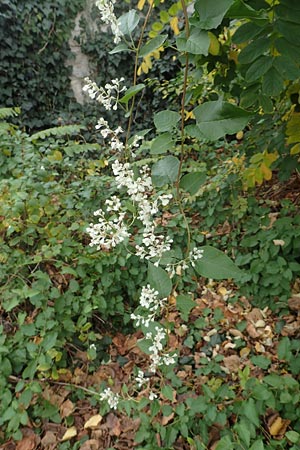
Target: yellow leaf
[[268, 158], [276, 427], [55, 156], [295, 149], [189, 115], [267, 173], [239, 135], [244, 352], [93, 421], [141, 4], [214, 46], [69, 434], [174, 25]]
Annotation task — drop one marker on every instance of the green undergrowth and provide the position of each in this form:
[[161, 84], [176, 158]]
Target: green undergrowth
[[59, 294]]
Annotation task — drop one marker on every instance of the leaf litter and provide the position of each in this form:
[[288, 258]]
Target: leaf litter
[[243, 335]]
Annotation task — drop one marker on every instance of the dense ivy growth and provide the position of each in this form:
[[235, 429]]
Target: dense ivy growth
[[34, 48]]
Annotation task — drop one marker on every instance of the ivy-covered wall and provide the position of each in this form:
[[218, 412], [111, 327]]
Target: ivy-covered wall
[[33, 49]]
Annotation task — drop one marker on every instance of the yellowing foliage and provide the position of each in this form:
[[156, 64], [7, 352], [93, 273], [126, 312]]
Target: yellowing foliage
[[293, 133], [147, 61], [214, 46], [259, 169], [174, 25]]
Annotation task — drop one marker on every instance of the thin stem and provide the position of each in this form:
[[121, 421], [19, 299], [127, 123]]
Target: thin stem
[[183, 99], [136, 67]]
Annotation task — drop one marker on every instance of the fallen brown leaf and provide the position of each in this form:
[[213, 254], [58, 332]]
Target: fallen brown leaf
[[27, 443], [66, 408]]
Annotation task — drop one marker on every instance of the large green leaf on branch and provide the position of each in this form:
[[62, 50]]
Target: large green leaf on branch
[[246, 32], [191, 182], [216, 119], [152, 45], [215, 264], [162, 143], [240, 10], [254, 50], [131, 92], [211, 12], [197, 43], [258, 68], [159, 280], [128, 22], [166, 120], [165, 171]]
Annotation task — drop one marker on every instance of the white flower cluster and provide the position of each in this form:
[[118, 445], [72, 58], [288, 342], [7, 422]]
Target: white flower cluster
[[105, 131], [194, 255], [106, 9], [156, 357], [111, 398], [140, 190], [142, 380], [107, 233], [108, 96], [152, 305]]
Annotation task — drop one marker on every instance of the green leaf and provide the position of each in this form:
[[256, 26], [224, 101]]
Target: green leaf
[[273, 380], [198, 42], [286, 67], [162, 143], [166, 120], [131, 92], [165, 171], [120, 48], [184, 304], [152, 45], [240, 10], [217, 118], [128, 22], [293, 436], [287, 49], [266, 104], [144, 345], [273, 83], [258, 445], [167, 391], [284, 349], [215, 264], [246, 32], [211, 12], [258, 68], [289, 30], [260, 361], [254, 50], [250, 411], [243, 432], [159, 280], [191, 182], [225, 444]]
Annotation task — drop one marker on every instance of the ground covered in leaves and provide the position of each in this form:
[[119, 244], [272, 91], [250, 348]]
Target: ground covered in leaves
[[222, 332]]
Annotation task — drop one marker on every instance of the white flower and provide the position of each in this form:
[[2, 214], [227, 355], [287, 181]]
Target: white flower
[[111, 398], [113, 203], [195, 254], [106, 9], [149, 299], [140, 378], [108, 96], [152, 395], [107, 233]]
